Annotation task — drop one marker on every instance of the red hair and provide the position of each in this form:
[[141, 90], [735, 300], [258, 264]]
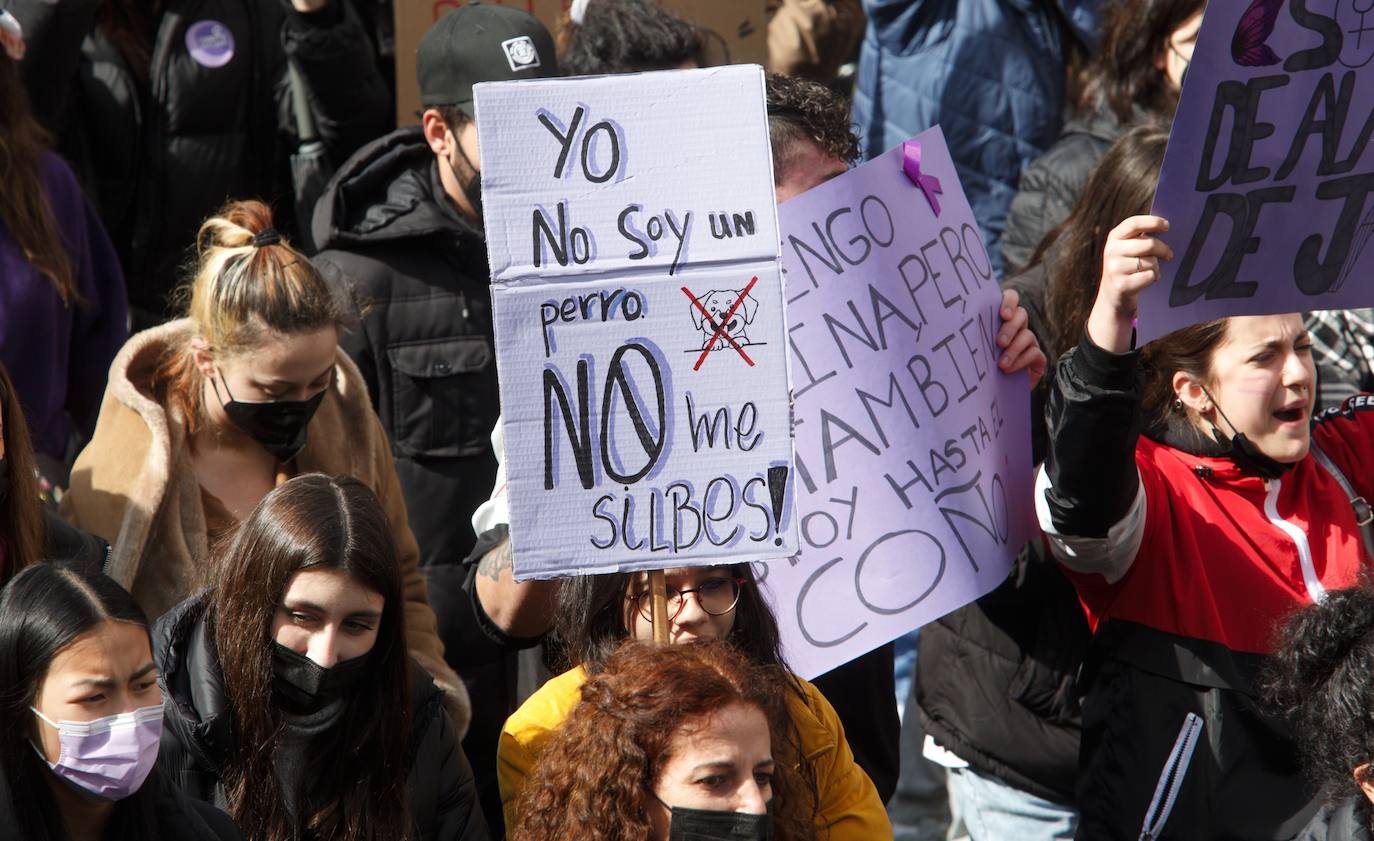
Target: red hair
[[594, 782]]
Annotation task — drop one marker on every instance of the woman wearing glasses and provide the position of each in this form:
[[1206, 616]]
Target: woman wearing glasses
[[597, 613]]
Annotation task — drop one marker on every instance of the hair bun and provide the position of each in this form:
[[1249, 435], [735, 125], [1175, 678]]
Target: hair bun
[[236, 226]]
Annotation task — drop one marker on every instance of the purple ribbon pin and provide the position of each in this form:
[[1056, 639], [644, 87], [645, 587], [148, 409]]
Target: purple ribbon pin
[[911, 165]]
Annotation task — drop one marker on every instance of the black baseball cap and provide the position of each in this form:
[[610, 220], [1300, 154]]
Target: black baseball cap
[[480, 42]]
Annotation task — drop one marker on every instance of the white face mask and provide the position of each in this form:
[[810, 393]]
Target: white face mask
[[109, 757]]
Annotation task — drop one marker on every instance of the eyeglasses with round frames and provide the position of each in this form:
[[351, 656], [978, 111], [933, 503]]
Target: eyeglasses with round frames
[[717, 596]]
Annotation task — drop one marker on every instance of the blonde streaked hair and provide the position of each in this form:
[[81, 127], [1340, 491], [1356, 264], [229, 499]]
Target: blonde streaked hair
[[249, 285]]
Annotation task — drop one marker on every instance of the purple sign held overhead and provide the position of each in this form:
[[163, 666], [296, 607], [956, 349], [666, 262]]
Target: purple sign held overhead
[[912, 449], [1266, 184]]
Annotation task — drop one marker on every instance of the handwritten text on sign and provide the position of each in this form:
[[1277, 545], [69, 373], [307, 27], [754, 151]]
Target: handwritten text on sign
[[639, 320], [913, 450], [1266, 182]]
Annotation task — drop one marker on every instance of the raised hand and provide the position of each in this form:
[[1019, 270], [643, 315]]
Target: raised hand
[[1130, 263]]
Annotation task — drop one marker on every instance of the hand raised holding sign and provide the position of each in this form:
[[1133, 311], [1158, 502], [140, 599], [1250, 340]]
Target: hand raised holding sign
[[1130, 264]]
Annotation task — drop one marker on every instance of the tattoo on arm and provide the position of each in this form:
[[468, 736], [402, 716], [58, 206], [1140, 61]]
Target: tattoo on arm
[[495, 561]]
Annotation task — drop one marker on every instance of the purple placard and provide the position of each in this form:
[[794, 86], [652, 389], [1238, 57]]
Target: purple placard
[[912, 450], [1266, 183]]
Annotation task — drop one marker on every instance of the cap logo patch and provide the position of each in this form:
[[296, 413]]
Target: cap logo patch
[[521, 54]]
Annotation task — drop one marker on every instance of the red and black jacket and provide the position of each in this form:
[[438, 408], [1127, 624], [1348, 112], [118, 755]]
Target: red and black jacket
[[1187, 565]]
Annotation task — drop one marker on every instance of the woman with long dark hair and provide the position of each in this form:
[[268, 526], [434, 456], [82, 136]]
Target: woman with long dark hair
[[291, 696], [668, 744], [204, 415], [63, 311], [1135, 76], [596, 613], [80, 714], [995, 681]]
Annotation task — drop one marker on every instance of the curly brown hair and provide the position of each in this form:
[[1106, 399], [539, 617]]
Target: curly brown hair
[[595, 780], [802, 110]]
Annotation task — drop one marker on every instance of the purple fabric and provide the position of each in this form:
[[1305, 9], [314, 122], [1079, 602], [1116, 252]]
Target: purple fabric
[[911, 165], [58, 355], [109, 757]]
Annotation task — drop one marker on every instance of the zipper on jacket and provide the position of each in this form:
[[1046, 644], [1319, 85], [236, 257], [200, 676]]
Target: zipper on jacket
[[1309, 571], [1171, 778]]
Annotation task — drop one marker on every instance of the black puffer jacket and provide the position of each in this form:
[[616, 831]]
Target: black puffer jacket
[[390, 237], [65, 542], [1347, 820], [1051, 185], [198, 732], [996, 678], [158, 812], [211, 121]]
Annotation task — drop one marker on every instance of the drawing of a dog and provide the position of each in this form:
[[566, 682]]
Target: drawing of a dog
[[718, 302]]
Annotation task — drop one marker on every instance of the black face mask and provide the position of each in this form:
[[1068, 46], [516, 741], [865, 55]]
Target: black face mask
[[1243, 452], [306, 685], [278, 425], [1248, 457], [711, 825]]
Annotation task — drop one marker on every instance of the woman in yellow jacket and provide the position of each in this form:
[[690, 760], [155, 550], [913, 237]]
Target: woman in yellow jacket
[[596, 613]]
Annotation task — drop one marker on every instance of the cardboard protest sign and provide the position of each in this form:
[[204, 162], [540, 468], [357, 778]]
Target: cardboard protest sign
[[734, 32], [912, 448], [1266, 184], [637, 294]]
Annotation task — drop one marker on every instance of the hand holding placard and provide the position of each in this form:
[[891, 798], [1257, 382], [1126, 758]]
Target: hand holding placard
[[913, 450]]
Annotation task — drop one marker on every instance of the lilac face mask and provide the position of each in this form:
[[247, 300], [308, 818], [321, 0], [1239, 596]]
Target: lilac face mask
[[109, 757]]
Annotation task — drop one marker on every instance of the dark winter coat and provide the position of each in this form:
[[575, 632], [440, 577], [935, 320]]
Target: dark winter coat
[[212, 121], [989, 72], [1187, 561], [198, 732], [1051, 185], [65, 542], [1347, 820], [995, 679], [173, 815], [58, 352], [391, 239]]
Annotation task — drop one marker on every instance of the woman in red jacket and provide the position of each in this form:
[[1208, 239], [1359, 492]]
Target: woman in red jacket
[[1189, 544]]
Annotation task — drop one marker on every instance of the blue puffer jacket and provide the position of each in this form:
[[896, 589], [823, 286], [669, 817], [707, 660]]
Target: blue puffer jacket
[[990, 72]]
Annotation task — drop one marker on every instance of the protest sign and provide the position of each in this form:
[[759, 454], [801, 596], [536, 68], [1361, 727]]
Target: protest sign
[[912, 448], [1266, 183], [637, 295], [733, 32]]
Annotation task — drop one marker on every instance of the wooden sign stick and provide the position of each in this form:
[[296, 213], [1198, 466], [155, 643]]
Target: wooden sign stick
[[658, 597]]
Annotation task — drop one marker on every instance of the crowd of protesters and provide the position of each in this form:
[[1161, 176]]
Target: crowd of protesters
[[254, 545]]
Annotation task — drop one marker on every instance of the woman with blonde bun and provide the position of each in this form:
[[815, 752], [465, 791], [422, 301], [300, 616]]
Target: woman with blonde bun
[[206, 414]]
